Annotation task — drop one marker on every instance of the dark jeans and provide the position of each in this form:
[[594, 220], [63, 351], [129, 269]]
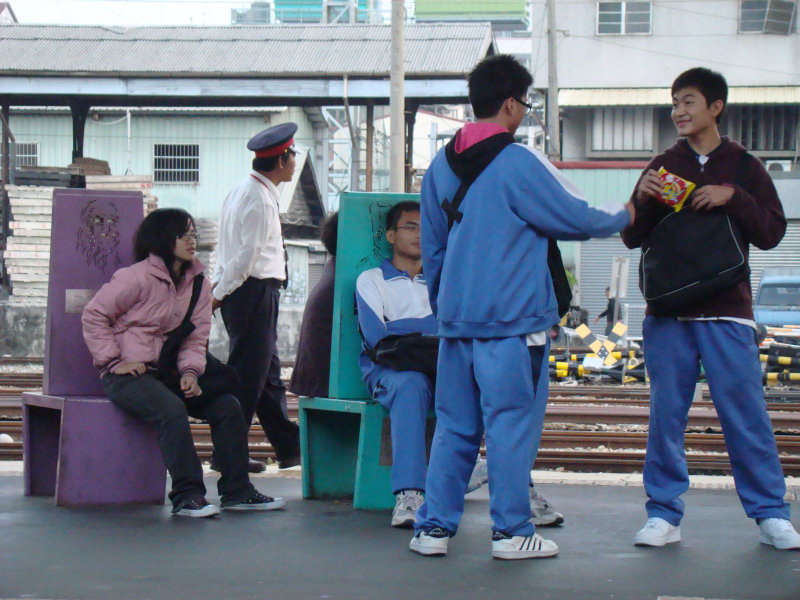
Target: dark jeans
[[149, 399], [250, 314]]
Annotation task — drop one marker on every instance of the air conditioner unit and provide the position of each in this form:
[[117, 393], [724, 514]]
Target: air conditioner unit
[[778, 166]]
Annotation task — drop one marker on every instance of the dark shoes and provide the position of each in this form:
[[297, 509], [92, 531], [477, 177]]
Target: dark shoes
[[255, 501], [195, 507], [253, 466], [288, 463]]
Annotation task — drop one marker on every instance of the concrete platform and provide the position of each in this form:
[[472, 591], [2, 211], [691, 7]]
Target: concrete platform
[[325, 549]]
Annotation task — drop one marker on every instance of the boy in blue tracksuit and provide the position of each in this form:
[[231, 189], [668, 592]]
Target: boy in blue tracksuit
[[718, 330], [491, 291], [392, 299]]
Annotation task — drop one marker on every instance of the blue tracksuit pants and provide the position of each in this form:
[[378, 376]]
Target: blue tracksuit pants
[[540, 370], [673, 352], [482, 385], [408, 396]]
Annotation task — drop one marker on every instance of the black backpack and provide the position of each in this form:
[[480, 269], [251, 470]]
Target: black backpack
[[692, 255]]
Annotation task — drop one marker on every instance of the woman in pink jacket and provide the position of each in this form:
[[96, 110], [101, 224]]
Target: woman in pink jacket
[[125, 326]]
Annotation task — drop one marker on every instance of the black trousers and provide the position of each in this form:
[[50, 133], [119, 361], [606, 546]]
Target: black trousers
[[250, 314], [149, 399]]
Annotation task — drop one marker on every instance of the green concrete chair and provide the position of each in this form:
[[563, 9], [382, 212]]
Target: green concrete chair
[[345, 442]]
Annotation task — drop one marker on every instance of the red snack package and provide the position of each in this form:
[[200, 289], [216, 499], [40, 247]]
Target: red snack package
[[676, 189]]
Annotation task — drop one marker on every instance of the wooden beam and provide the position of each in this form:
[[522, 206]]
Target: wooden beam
[[80, 110]]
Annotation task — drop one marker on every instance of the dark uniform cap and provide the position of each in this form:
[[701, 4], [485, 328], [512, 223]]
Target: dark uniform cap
[[273, 141]]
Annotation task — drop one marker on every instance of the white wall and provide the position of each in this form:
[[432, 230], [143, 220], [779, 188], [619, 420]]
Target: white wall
[[224, 158], [684, 34]]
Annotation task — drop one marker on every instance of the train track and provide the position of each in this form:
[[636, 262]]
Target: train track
[[588, 428], [611, 451]]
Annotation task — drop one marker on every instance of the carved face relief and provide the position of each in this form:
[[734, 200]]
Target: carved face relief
[[98, 235]]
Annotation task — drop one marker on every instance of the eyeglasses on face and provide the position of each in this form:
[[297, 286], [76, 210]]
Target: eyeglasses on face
[[410, 227], [189, 235], [528, 106]]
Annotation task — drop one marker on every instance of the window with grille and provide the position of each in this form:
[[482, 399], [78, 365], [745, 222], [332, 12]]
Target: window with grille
[[622, 129], [176, 163], [615, 18], [767, 16], [764, 128], [27, 154]]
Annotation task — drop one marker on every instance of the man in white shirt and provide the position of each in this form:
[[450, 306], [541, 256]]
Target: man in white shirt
[[250, 271]]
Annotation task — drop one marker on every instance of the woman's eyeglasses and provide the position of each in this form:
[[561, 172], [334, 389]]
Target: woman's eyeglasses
[[189, 235]]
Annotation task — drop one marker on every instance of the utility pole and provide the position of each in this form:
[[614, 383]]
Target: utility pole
[[553, 125], [397, 101]]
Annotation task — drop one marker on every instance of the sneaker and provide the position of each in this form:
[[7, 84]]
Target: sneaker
[[255, 501], [542, 511], [517, 547], [406, 505], [480, 475], [195, 507], [779, 533], [657, 532], [430, 543]]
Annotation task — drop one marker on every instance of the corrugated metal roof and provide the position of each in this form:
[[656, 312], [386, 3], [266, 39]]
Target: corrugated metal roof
[[285, 51], [661, 96]]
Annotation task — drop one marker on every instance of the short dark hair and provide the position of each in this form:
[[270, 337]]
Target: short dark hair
[[270, 163], [157, 235], [394, 214], [493, 81], [328, 232], [710, 84]]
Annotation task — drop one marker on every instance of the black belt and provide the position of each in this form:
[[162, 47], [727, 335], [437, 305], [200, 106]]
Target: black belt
[[271, 282]]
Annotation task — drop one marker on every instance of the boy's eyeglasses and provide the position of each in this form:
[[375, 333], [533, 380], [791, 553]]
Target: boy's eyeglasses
[[410, 227], [528, 106], [189, 235]]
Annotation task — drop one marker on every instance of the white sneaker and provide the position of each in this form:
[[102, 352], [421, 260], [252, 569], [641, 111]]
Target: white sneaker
[[657, 532], [480, 475], [779, 533], [542, 511], [406, 505], [430, 543], [507, 547]]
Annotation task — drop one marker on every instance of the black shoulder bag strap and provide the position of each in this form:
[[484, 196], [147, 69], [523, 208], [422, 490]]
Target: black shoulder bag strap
[[478, 157], [555, 264], [743, 170], [169, 351]]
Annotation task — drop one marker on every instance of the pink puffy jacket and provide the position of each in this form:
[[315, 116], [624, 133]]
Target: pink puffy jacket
[[130, 316]]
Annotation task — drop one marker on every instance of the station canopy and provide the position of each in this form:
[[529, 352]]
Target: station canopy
[[295, 65]]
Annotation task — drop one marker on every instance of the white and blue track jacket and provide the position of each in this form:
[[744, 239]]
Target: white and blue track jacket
[[391, 303], [488, 276]]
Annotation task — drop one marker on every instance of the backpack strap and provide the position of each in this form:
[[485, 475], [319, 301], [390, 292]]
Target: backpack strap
[[479, 156], [744, 170], [197, 286], [451, 208]]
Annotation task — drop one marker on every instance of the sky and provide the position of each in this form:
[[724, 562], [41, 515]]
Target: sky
[[126, 13]]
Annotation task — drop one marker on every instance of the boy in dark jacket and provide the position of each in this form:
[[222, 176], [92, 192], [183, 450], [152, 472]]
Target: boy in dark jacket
[[718, 330]]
